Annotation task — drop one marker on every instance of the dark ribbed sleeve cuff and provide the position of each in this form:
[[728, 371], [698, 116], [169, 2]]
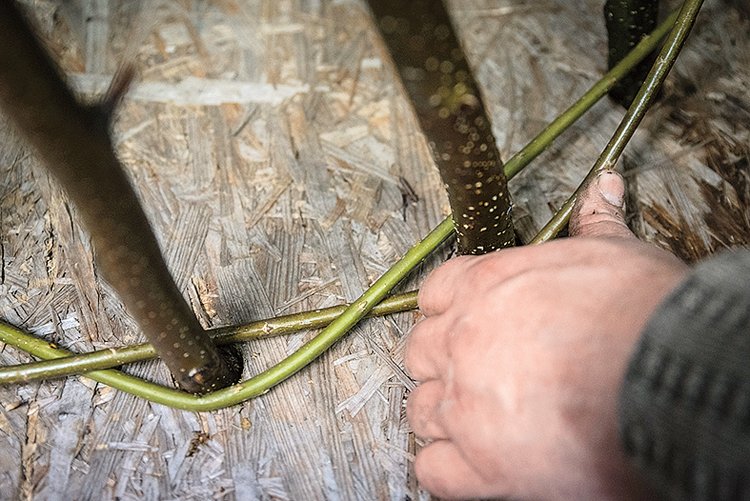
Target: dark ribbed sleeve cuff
[[685, 400]]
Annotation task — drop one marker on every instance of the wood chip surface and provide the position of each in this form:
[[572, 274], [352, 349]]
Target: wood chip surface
[[283, 170]]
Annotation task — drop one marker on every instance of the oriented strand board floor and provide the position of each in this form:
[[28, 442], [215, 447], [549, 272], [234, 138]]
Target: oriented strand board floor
[[272, 150]]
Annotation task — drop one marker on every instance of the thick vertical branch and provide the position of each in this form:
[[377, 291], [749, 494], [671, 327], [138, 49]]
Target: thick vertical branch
[[437, 78], [73, 142], [628, 21]]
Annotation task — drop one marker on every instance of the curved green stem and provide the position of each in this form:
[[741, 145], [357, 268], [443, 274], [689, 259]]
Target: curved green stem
[[591, 97], [113, 357], [631, 120], [262, 382]]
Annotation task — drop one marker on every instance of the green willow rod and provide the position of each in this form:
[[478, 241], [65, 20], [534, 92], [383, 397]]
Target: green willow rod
[[260, 329], [260, 383], [626, 129], [591, 97], [113, 357]]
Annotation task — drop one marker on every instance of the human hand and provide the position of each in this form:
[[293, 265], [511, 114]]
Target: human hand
[[521, 356]]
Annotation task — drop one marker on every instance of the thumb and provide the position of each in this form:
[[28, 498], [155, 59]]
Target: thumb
[[600, 209]]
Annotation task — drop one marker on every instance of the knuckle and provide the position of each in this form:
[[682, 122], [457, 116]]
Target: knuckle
[[412, 359], [429, 298], [413, 406], [419, 352], [447, 271], [482, 269], [425, 467]]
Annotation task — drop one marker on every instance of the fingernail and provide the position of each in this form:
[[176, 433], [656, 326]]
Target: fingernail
[[612, 187]]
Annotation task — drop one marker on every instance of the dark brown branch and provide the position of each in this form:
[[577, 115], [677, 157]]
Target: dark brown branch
[[73, 142], [439, 81], [628, 21]]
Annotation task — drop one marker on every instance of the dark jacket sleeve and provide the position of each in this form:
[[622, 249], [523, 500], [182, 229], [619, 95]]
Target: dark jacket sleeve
[[685, 400]]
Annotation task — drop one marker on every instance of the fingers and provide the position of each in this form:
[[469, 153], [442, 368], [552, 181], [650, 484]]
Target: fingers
[[442, 470], [436, 293], [463, 278], [426, 349], [600, 210], [423, 410]]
